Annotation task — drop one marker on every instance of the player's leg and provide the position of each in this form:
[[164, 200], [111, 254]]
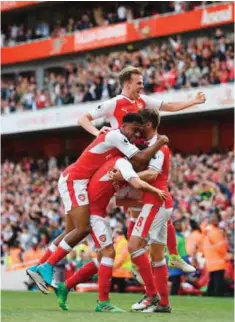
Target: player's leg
[[81, 276], [69, 226], [33, 270], [140, 257], [102, 237], [158, 241], [134, 214], [175, 260], [75, 198]]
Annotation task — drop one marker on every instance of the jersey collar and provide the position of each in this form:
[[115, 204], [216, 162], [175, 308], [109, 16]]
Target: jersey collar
[[129, 99]]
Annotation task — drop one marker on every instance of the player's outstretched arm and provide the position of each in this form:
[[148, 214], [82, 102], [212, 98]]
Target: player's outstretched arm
[[200, 98], [103, 110], [85, 122], [137, 183], [146, 154]]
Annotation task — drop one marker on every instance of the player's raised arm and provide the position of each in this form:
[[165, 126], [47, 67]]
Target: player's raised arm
[[102, 110], [200, 98], [152, 103]]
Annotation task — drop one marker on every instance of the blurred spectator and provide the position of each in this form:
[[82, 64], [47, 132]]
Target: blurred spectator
[[86, 17], [122, 13], [214, 247], [122, 262], [173, 65]]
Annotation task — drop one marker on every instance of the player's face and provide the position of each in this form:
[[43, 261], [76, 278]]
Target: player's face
[[146, 128], [135, 86], [132, 131]]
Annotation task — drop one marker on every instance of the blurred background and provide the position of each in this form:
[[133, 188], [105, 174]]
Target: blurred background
[[59, 59]]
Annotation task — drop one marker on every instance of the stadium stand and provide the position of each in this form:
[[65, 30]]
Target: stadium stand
[[82, 18], [201, 180], [174, 65]]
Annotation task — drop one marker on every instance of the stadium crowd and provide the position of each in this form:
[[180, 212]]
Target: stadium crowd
[[172, 65], [32, 212], [72, 18]]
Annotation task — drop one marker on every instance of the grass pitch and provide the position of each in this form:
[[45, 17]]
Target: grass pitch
[[35, 307]]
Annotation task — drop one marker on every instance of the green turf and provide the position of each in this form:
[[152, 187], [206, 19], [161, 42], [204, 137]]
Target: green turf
[[35, 307]]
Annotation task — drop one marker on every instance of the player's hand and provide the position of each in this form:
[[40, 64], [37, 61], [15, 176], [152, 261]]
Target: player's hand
[[162, 194], [163, 139], [200, 98], [115, 175], [105, 129]]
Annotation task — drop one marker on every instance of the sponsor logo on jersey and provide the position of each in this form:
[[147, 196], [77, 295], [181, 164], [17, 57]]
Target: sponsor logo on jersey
[[126, 141], [102, 238]]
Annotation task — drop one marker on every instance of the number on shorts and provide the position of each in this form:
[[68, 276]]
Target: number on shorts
[[140, 221]]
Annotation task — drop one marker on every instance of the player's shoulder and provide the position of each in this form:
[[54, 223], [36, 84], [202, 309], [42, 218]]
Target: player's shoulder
[[143, 97], [108, 103], [165, 149], [120, 161], [118, 98], [114, 134]]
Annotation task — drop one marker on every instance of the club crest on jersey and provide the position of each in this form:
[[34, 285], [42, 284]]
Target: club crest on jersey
[[81, 197], [140, 105], [99, 107], [102, 238]]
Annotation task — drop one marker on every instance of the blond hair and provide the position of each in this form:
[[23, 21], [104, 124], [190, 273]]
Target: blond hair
[[127, 72]]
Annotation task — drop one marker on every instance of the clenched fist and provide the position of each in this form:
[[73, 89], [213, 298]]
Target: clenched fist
[[200, 98], [163, 139]]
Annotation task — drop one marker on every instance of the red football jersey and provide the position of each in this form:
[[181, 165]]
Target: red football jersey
[[161, 163], [101, 188], [116, 108], [103, 148]]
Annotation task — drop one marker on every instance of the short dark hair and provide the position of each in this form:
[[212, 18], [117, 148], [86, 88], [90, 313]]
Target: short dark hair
[[132, 117], [127, 72], [150, 115]]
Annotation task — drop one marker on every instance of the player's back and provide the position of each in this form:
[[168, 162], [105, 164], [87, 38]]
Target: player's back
[[101, 188], [161, 182], [93, 157]]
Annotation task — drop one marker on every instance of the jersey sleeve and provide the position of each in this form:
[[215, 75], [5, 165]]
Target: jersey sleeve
[[152, 103], [126, 169], [103, 110], [116, 139], [156, 162]]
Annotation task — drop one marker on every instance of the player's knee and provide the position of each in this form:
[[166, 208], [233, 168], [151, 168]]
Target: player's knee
[[109, 251], [132, 247], [156, 257], [157, 254]]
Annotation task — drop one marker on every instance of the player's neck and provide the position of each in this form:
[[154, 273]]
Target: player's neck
[[150, 135], [127, 95]]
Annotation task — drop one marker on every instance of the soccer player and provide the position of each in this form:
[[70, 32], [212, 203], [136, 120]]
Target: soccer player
[[100, 191], [73, 190], [131, 100], [152, 225]]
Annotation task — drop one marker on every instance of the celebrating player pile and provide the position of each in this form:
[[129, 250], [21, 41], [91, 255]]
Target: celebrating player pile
[[103, 154]]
